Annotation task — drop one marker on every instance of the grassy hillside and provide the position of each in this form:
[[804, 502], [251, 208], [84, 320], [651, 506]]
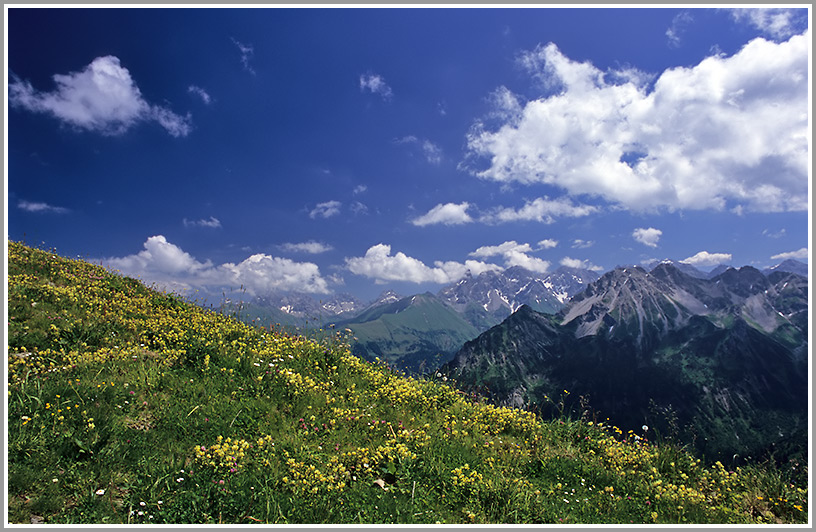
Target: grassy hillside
[[127, 405]]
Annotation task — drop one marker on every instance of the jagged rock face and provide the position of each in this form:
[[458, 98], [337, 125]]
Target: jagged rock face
[[492, 296], [630, 303], [728, 355]]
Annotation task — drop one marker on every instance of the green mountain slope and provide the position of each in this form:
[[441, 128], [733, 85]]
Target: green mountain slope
[[415, 333], [130, 406]]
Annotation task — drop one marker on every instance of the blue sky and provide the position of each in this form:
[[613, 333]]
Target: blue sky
[[354, 150]]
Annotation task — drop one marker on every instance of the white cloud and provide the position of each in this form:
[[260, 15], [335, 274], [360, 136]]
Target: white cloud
[[379, 264], [542, 210], [801, 254], [457, 270], [730, 131], [311, 247], [39, 207], [247, 51], [432, 152], [262, 274], [359, 189], [648, 237], [779, 23], [102, 98], [517, 258], [358, 207], [547, 243], [159, 258], [704, 258], [447, 214], [678, 27], [501, 249], [375, 84], [514, 254], [168, 265], [201, 93], [212, 223], [773, 234], [326, 209], [578, 263], [579, 243]]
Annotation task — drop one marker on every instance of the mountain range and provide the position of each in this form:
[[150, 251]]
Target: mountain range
[[420, 332], [456, 313], [490, 297], [719, 363]]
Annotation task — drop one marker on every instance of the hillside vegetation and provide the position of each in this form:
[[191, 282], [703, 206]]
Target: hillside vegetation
[[128, 405]]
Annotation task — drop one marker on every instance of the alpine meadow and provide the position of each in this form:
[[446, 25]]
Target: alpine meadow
[[129, 405]]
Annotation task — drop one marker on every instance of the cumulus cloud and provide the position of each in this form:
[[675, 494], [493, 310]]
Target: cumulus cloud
[[517, 258], [326, 209], [379, 264], [580, 243], [458, 270], [704, 258], [446, 214], [800, 254], [647, 237], [159, 257], [578, 263], [311, 247], [514, 254], [501, 249], [547, 243], [168, 265], [40, 207], [731, 131], [102, 98], [211, 223], [375, 84], [542, 210], [779, 23], [262, 274], [201, 93]]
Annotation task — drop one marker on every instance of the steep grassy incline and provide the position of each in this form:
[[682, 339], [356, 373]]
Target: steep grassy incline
[[127, 405]]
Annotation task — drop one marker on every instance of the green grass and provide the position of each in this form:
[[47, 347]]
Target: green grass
[[127, 405]]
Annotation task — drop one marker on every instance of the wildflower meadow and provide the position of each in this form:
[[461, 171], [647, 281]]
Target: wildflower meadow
[[128, 405]]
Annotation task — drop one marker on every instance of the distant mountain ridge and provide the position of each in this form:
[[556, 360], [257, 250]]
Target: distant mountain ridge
[[484, 300], [488, 298], [728, 355], [788, 265]]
